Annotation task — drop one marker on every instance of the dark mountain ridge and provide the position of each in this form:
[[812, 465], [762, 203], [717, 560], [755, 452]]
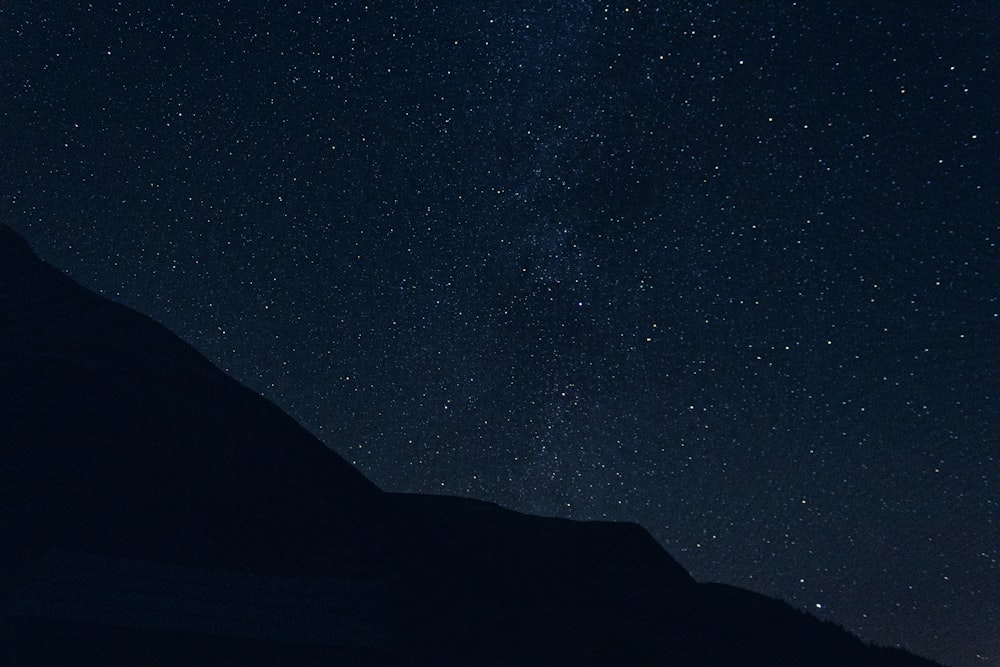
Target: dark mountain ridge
[[155, 511]]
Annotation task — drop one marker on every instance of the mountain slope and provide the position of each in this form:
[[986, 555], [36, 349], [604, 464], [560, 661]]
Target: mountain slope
[[117, 433], [154, 511]]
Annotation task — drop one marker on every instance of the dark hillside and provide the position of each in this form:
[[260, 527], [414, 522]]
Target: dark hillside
[[156, 512]]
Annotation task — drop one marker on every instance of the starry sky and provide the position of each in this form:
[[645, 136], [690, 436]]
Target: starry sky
[[726, 269]]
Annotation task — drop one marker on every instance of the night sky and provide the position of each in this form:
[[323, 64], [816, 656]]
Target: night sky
[[726, 269]]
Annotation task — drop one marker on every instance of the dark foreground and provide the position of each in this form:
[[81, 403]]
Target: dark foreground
[[156, 512]]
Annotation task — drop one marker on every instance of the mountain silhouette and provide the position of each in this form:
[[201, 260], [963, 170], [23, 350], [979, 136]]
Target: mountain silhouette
[[153, 511]]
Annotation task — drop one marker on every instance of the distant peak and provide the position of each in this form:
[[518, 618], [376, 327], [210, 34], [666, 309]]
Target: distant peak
[[18, 261], [12, 243]]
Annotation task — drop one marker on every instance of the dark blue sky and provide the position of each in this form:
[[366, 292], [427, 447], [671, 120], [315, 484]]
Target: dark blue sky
[[729, 270]]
